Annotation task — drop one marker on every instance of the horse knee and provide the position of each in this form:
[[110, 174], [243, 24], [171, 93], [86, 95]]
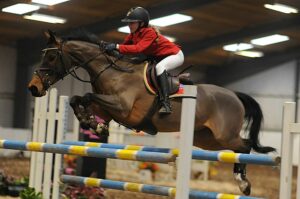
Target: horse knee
[[75, 100], [87, 98]]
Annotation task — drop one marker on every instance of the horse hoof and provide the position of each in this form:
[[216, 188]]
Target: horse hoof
[[244, 184], [247, 191], [245, 187]]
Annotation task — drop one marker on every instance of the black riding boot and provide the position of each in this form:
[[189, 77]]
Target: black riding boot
[[164, 94]]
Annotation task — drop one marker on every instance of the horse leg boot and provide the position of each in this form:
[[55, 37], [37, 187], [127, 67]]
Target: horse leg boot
[[239, 172], [164, 88]]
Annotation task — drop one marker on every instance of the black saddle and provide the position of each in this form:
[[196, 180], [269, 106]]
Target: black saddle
[[174, 81]]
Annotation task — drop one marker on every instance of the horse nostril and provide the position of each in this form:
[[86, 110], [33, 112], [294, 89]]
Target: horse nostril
[[34, 90]]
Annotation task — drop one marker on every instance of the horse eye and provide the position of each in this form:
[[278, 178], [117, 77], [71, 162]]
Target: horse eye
[[52, 57]]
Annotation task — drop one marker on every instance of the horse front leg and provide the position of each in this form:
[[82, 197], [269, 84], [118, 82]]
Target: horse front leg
[[83, 110]]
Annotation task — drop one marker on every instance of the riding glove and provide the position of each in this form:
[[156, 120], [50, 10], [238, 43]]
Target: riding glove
[[110, 47]]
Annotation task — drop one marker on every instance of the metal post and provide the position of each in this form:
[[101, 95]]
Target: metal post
[[186, 142]]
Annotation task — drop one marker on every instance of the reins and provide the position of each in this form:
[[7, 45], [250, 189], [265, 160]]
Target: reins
[[72, 71]]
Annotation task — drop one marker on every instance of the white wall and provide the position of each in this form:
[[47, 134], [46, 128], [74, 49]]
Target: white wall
[[8, 57], [271, 89]]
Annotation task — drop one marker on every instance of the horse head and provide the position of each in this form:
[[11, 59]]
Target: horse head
[[52, 66], [61, 57]]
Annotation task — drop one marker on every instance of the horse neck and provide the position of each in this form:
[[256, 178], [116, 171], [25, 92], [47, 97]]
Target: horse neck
[[81, 52], [110, 80], [113, 81]]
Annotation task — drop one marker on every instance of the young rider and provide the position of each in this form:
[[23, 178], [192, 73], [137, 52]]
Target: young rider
[[145, 39]]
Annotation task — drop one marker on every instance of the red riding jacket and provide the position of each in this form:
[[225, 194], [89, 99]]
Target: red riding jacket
[[148, 42]]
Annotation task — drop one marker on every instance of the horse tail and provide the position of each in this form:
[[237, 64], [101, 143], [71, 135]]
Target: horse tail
[[254, 118]]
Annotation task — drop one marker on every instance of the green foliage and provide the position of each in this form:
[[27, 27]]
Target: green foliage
[[30, 193], [22, 181]]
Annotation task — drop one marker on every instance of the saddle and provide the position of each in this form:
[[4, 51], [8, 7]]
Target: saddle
[[150, 78], [174, 81]]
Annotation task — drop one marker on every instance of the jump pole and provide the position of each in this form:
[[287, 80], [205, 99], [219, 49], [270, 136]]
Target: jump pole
[[145, 188], [188, 111], [88, 151], [220, 156]]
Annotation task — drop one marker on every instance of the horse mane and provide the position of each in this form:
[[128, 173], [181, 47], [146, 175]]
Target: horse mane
[[81, 35], [84, 35]]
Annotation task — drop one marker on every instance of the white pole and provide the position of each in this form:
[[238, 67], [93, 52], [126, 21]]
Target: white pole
[[34, 138], [186, 142], [286, 150], [50, 139], [298, 177], [41, 138], [62, 119]]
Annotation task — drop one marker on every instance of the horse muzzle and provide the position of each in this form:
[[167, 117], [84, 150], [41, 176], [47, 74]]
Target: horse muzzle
[[36, 87]]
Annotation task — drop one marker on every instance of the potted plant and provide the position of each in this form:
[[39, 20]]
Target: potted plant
[[15, 186], [30, 193], [3, 184]]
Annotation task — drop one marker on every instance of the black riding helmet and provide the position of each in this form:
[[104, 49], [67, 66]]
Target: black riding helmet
[[137, 14]]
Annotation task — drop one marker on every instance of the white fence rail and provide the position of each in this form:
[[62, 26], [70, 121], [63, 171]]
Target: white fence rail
[[46, 120], [290, 129]]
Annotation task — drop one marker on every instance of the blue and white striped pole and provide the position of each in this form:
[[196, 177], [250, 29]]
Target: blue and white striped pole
[[145, 188], [220, 156], [89, 151]]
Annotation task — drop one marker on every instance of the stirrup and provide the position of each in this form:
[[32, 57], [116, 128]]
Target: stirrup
[[165, 109]]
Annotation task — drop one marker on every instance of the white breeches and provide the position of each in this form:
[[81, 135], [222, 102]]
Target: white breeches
[[169, 63]]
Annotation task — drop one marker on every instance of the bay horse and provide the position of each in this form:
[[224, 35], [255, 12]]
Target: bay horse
[[119, 93]]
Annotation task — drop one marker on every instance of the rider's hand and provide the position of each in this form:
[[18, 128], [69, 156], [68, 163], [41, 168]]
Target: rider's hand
[[110, 47]]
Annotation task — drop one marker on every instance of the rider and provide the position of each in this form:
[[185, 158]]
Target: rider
[[145, 39]]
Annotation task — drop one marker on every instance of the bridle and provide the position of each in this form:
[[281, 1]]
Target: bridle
[[65, 59]]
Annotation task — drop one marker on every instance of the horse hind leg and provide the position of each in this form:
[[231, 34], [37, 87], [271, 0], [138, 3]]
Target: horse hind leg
[[239, 172], [239, 169], [205, 139], [229, 138]]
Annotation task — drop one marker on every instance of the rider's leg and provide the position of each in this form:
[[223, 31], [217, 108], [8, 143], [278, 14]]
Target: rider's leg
[[164, 65], [164, 95]]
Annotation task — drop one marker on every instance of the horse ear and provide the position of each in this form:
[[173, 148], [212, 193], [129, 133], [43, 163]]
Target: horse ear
[[51, 37]]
